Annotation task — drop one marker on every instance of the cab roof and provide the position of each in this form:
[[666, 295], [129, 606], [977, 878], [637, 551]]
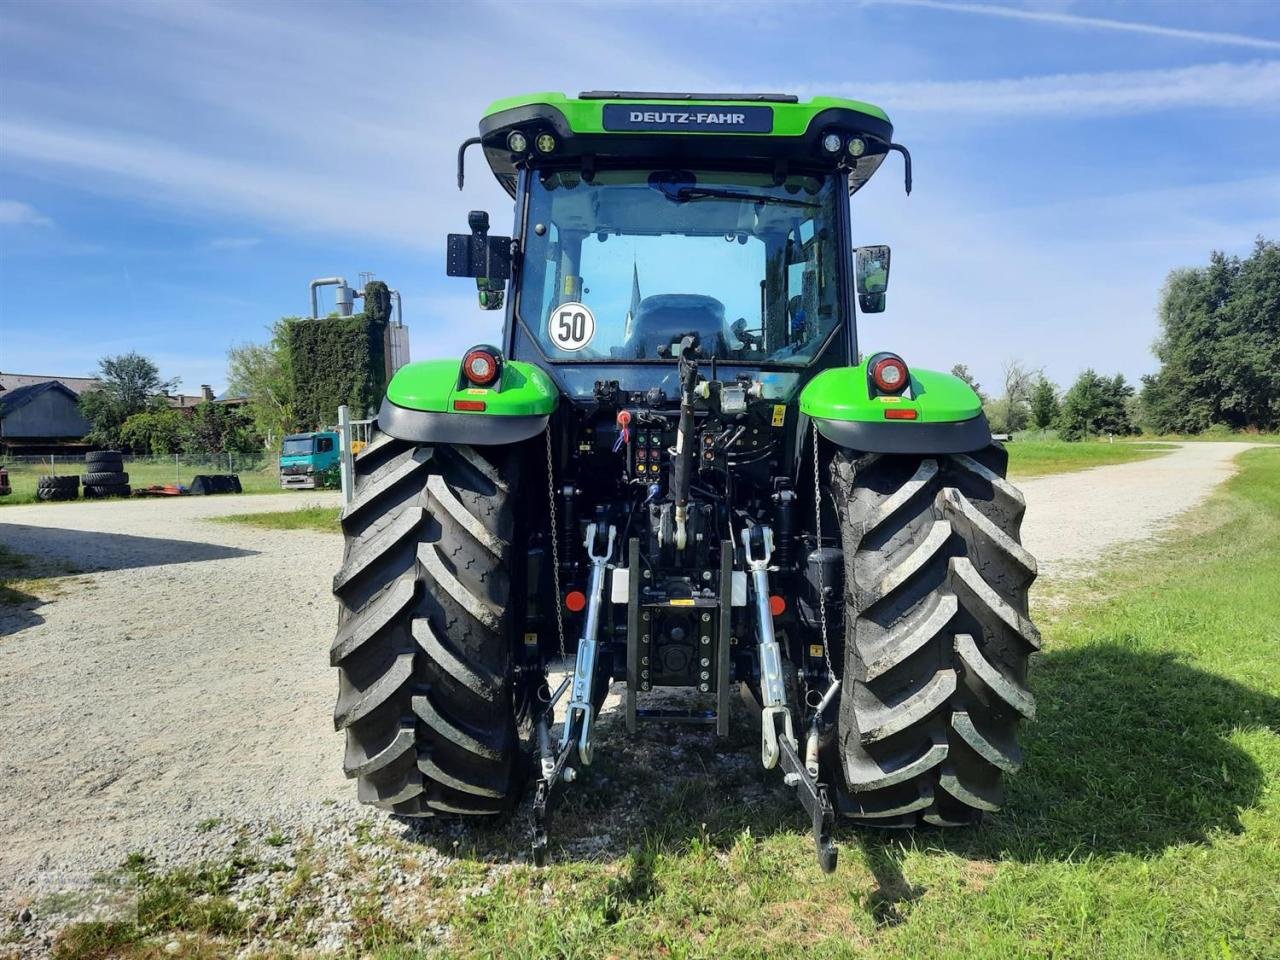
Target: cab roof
[[608, 127]]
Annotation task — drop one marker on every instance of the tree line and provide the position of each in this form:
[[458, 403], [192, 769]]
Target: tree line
[[130, 410], [1219, 353]]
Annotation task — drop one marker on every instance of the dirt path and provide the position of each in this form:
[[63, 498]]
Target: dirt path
[[1073, 519], [184, 687]]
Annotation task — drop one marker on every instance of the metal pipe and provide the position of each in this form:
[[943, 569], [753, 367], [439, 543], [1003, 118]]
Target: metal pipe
[[323, 282]]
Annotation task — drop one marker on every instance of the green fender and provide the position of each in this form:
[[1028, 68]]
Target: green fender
[[428, 402], [948, 415]]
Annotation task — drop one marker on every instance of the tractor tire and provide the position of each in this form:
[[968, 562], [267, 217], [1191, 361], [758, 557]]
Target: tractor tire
[[105, 479], [102, 460], [426, 628], [106, 491], [51, 494], [61, 482], [937, 636]]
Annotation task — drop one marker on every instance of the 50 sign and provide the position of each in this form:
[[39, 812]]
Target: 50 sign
[[572, 327]]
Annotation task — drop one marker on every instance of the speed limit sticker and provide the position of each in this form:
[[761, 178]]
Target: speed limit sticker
[[573, 326]]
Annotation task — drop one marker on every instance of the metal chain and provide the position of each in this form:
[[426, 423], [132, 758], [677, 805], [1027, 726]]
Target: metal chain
[[817, 529], [555, 549]]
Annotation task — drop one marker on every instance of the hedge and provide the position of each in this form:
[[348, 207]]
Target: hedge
[[337, 360]]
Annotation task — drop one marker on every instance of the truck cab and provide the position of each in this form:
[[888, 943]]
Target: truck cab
[[306, 456]]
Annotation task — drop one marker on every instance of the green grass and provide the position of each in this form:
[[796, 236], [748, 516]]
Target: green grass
[[324, 519], [28, 580], [1031, 457], [1145, 822], [23, 477]]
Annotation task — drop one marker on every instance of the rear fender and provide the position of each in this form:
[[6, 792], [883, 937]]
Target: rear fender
[[844, 404], [421, 405]]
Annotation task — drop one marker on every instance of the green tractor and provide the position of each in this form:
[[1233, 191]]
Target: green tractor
[[676, 471]]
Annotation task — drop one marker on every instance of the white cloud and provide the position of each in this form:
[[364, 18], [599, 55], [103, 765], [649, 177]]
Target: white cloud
[[1089, 23], [15, 213], [1218, 85]]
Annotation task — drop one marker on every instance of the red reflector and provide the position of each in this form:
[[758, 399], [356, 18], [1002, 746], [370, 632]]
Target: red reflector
[[900, 414], [480, 367], [468, 404], [575, 601], [777, 605], [890, 375]]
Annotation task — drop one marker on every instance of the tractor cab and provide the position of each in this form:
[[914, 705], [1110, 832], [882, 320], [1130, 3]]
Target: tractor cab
[[642, 218]]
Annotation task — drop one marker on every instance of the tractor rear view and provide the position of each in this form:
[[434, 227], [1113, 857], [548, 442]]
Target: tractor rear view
[[676, 471]]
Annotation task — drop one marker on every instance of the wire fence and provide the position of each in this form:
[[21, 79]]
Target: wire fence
[[210, 462], [258, 474]]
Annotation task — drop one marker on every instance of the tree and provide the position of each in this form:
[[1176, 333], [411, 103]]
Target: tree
[[1095, 405], [1011, 412], [1044, 404], [1219, 346], [156, 432], [130, 384], [216, 428], [962, 371], [262, 372]]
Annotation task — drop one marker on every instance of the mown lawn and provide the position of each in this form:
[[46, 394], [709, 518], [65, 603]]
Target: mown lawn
[[1029, 457], [142, 473], [324, 519], [1145, 823]]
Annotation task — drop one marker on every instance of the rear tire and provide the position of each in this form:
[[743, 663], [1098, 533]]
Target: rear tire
[[938, 636], [433, 721]]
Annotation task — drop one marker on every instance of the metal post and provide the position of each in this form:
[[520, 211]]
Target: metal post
[[346, 465]]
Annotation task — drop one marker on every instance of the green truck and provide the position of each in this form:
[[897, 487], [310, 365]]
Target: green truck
[[678, 470], [304, 458]]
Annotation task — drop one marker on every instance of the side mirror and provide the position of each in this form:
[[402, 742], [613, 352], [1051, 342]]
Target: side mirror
[[872, 274], [484, 257]]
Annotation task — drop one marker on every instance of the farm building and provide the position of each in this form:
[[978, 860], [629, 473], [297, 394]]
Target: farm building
[[39, 417]]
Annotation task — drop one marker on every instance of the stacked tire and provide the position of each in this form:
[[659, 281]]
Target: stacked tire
[[57, 487], [104, 475]]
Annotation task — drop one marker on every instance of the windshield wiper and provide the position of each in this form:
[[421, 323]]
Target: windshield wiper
[[686, 194]]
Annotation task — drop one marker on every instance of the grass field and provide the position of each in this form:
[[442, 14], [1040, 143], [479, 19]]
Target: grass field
[[324, 519], [1145, 823], [142, 473], [1031, 457]]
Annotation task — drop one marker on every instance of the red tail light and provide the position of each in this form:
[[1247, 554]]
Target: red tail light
[[890, 375], [480, 366]]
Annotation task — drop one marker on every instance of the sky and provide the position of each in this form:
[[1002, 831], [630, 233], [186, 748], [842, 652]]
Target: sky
[[173, 174]]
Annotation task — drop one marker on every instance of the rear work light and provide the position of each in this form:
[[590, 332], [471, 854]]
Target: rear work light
[[890, 375], [481, 365]]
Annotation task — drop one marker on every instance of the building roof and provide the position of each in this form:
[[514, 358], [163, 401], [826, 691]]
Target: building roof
[[78, 385], [18, 397]]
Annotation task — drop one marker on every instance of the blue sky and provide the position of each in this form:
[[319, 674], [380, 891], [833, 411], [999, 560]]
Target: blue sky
[[173, 174]]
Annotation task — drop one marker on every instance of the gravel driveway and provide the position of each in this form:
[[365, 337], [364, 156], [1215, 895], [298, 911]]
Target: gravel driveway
[[186, 682]]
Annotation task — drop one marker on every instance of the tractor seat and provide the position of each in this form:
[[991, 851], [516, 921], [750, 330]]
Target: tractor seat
[[663, 319]]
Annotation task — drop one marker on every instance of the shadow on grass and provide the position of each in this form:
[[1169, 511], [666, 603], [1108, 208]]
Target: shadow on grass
[[1131, 753]]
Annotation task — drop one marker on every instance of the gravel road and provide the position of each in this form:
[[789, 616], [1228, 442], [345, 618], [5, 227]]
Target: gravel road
[[183, 682]]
